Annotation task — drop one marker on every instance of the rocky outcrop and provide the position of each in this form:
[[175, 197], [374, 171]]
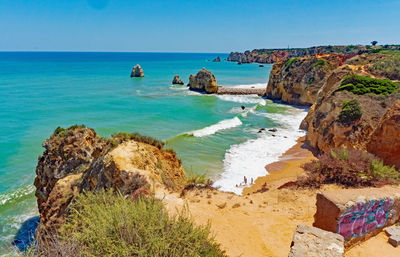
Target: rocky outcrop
[[204, 82], [298, 80], [77, 160], [177, 80], [137, 71], [218, 59], [315, 242], [385, 140]]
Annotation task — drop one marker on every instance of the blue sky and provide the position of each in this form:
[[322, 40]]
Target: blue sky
[[193, 26]]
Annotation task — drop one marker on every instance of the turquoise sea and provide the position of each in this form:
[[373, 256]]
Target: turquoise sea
[[211, 134]]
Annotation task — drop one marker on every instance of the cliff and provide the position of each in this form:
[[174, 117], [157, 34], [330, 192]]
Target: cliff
[[275, 55], [78, 160], [298, 80], [315, 81]]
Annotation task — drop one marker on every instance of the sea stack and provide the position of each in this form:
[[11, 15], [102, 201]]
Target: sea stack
[[137, 72], [177, 80], [218, 59], [204, 82]]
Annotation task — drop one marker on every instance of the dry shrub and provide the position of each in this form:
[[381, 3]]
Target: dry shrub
[[349, 168]]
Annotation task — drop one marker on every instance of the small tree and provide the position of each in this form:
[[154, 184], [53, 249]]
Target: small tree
[[374, 43]]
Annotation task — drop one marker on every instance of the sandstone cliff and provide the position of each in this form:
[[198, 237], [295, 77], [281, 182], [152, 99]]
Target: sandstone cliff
[[275, 55], [204, 81], [298, 80], [78, 160]]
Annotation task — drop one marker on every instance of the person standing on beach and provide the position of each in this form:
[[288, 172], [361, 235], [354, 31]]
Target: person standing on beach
[[245, 180]]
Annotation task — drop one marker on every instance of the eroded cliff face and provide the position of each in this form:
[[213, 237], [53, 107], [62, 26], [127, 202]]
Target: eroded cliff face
[[374, 131], [314, 80], [77, 160], [298, 80], [385, 141]]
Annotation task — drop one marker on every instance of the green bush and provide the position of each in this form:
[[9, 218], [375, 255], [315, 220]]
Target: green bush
[[360, 85], [320, 62], [123, 136], [351, 111], [290, 62], [107, 224]]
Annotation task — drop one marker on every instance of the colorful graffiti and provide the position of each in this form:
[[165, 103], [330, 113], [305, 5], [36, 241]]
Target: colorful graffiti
[[362, 218]]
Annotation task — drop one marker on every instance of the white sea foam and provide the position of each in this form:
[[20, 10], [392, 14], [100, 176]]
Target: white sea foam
[[4, 198], [245, 99], [222, 125], [256, 85], [250, 158]]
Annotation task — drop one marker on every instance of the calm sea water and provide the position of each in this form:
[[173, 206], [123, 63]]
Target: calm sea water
[[211, 134]]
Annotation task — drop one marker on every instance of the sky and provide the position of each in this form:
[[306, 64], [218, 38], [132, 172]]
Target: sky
[[193, 25]]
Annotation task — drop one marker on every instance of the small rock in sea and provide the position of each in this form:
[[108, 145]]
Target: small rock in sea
[[204, 81], [177, 80], [272, 130], [243, 107], [260, 65], [273, 135], [137, 71], [239, 63], [218, 59]]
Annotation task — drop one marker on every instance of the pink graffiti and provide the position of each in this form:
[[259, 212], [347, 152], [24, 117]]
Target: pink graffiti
[[362, 218]]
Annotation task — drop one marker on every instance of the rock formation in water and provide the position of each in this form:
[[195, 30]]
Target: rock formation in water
[[218, 59], [177, 80], [137, 71], [204, 81], [77, 160]]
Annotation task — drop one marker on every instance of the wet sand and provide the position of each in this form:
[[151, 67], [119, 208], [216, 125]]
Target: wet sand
[[287, 169]]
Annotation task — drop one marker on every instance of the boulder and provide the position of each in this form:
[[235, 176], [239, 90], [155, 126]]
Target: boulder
[[260, 65], [137, 71], [218, 59], [315, 242], [357, 214], [177, 80], [204, 81]]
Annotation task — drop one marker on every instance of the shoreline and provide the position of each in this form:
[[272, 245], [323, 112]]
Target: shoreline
[[286, 169]]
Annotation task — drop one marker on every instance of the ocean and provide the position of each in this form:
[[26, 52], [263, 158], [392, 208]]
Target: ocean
[[211, 134]]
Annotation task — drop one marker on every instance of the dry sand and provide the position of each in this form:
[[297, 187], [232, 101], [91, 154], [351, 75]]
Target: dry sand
[[262, 224]]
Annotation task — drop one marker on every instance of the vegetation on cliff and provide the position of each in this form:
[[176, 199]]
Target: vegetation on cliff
[[108, 224], [349, 168], [351, 111], [389, 67], [361, 85]]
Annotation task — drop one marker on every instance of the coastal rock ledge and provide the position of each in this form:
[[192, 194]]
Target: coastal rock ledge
[[137, 72], [204, 82]]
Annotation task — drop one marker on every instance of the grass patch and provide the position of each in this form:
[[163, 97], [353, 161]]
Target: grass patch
[[124, 136], [290, 62], [361, 85], [351, 111], [320, 62], [62, 132], [389, 67], [349, 168], [107, 224]]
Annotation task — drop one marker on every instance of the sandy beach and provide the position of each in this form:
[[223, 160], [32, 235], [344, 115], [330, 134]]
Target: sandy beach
[[288, 168]]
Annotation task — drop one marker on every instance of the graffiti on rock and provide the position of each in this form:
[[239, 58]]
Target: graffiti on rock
[[362, 218]]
